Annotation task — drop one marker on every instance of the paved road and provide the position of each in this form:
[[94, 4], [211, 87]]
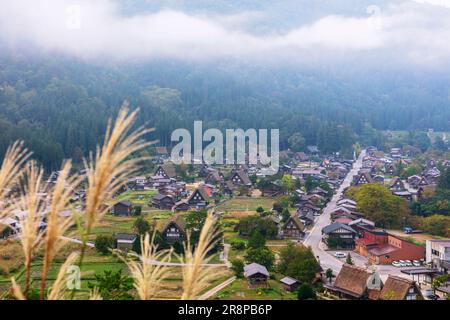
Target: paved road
[[314, 238], [326, 258]]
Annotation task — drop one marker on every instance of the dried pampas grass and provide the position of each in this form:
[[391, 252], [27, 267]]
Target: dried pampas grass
[[112, 166], [10, 171], [196, 276], [146, 274], [59, 287], [57, 225], [31, 207]]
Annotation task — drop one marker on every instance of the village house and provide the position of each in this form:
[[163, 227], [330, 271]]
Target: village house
[[397, 184], [342, 235], [414, 181], [378, 179], [293, 228], [166, 170], [290, 284], [307, 218], [174, 231], [125, 241], [438, 254], [397, 288], [240, 178], [340, 212], [354, 282], [408, 196], [380, 247], [362, 224], [123, 208], [137, 183], [256, 275], [346, 201], [214, 177], [163, 202], [181, 205], [361, 179], [307, 209], [158, 182], [432, 175], [198, 198]]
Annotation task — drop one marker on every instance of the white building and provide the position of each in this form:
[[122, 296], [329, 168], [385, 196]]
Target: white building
[[438, 252]]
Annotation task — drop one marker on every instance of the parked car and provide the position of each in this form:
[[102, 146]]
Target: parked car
[[408, 230], [402, 263], [340, 255], [416, 263], [396, 264], [408, 263], [432, 297]]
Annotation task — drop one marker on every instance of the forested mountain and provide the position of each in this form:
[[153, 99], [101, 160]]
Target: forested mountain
[[60, 106], [59, 100]]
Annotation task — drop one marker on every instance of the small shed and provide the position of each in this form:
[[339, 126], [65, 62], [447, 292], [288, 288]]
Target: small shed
[[123, 208], [125, 241], [290, 284]]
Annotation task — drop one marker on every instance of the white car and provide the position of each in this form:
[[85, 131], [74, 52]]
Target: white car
[[340, 255], [408, 263], [402, 263], [396, 264], [416, 263]]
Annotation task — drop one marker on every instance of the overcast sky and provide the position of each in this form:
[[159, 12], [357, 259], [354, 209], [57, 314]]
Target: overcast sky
[[89, 29]]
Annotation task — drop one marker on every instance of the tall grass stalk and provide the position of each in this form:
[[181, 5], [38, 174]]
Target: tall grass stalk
[[110, 169]]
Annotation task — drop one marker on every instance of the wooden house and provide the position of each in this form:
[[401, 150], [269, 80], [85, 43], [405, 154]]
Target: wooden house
[[290, 284], [256, 275], [344, 235], [397, 288], [240, 178], [362, 178], [123, 208], [166, 170], [181, 206], [163, 201], [174, 231], [293, 228], [397, 184], [354, 282], [199, 198], [214, 177], [125, 241]]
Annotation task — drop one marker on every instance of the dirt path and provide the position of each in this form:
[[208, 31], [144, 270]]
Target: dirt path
[[216, 290]]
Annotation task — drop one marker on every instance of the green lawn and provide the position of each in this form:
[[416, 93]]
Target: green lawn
[[111, 224], [139, 197], [239, 290], [241, 204]]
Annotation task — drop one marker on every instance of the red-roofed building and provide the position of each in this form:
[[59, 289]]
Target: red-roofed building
[[379, 247]]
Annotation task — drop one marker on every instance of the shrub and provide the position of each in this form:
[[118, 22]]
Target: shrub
[[238, 244], [238, 267], [306, 292], [103, 244]]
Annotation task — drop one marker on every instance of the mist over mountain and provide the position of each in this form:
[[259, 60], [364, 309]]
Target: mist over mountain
[[334, 71]]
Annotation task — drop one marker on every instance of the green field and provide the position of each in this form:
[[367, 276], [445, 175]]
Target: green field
[[142, 197], [243, 204], [239, 290]]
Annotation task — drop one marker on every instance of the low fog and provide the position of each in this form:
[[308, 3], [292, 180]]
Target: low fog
[[416, 32]]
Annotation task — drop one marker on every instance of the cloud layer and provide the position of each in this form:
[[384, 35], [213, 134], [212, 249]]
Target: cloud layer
[[95, 29]]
